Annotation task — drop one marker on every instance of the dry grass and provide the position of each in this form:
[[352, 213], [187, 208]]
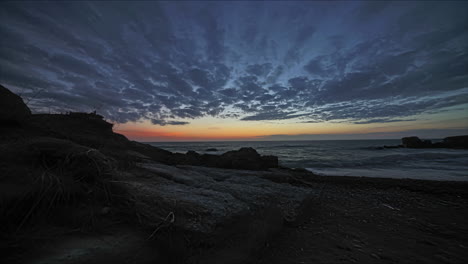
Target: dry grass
[[57, 192]]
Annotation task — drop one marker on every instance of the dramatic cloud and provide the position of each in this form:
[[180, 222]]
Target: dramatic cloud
[[355, 62], [164, 122]]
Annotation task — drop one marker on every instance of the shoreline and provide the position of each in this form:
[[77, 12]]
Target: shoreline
[[351, 158], [387, 174]]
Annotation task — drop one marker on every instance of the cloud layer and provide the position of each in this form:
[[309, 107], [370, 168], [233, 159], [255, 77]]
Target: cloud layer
[[358, 62]]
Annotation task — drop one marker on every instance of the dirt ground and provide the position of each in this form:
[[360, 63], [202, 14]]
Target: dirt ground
[[378, 221]]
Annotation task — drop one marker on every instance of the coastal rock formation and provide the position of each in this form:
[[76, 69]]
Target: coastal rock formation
[[460, 142], [72, 172], [243, 159], [203, 199], [415, 142], [91, 130], [88, 129], [13, 110], [456, 142]]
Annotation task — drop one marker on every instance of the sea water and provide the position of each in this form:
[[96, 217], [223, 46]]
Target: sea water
[[348, 157]]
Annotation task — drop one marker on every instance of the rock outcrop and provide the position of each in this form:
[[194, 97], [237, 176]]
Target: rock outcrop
[[91, 130], [211, 204], [459, 142], [456, 142], [243, 159], [415, 142], [71, 172]]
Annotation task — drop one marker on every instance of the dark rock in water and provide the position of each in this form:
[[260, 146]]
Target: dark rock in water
[[242, 159], [12, 108], [460, 142], [247, 158], [457, 142], [211, 149], [438, 145], [415, 142], [409, 142], [392, 147]]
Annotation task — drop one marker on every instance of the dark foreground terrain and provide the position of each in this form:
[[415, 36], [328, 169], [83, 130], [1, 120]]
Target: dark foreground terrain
[[378, 221], [73, 191]]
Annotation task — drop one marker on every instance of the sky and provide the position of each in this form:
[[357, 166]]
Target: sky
[[259, 70]]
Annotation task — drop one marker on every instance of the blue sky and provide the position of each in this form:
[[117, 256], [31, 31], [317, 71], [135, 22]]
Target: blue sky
[[176, 64]]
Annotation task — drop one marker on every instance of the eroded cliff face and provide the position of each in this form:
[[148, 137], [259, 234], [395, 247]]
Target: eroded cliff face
[[72, 174]]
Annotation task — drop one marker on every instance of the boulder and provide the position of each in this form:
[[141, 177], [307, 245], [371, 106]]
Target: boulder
[[415, 142], [246, 158], [270, 161], [242, 159], [190, 214], [460, 142], [232, 211], [202, 198], [12, 108]]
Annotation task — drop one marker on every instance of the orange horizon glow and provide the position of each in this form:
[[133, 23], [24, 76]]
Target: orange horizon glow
[[217, 129], [147, 135]]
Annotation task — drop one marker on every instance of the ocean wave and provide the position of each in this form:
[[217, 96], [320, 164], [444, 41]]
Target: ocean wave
[[390, 160], [428, 174], [423, 156], [288, 146]]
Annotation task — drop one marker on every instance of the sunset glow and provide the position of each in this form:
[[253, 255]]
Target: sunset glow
[[183, 71]]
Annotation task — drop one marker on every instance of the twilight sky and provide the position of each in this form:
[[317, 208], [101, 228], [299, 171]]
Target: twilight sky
[[211, 70]]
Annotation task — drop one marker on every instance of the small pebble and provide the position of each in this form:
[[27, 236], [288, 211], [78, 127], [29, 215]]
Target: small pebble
[[105, 210]]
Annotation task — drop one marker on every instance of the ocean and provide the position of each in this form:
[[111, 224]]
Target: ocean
[[348, 157]]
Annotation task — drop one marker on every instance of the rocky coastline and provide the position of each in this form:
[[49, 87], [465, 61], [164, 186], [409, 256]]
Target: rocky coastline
[[74, 191], [454, 142], [72, 172]]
